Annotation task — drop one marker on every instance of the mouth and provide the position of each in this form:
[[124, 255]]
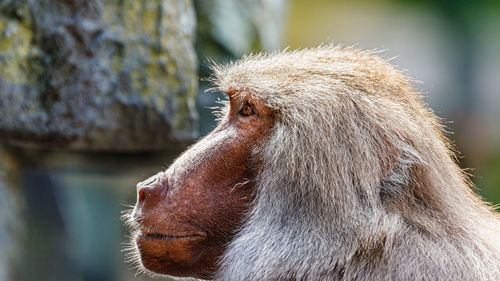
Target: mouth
[[145, 233], [155, 235]]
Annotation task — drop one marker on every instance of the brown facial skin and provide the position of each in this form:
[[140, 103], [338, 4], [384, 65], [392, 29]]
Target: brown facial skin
[[186, 215]]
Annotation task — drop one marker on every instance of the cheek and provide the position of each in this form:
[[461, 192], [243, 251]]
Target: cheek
[[206, 192], [221, 197]]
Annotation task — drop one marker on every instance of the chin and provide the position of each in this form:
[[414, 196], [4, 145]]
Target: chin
[[176, 256]]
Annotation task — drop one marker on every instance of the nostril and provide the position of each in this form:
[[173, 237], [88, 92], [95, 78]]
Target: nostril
[[141, 196], [152, 190]]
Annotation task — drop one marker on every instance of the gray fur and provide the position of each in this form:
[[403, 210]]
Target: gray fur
[[358, 181]]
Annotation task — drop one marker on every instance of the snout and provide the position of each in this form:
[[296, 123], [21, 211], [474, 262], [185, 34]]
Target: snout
[[151, 191]]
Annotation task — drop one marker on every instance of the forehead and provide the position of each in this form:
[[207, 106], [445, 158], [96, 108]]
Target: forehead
[[278, 69], [309, 74], [243, 93]]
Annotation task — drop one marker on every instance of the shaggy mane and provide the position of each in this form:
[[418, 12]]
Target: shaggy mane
[[359, 183]]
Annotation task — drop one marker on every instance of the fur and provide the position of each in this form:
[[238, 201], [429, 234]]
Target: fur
[[358, 180]]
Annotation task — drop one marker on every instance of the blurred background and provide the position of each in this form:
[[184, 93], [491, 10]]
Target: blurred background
[[97, 95]]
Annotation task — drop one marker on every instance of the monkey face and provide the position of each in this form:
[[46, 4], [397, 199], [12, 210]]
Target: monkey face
[[184, 217]]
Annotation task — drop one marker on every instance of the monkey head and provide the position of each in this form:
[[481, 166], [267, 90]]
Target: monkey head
[[186, 215], [325, 165]]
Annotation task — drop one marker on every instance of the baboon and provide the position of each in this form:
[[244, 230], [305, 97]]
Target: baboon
[[326, 165]]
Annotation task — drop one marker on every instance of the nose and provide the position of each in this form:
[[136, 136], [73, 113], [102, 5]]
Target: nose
[[152, 190]]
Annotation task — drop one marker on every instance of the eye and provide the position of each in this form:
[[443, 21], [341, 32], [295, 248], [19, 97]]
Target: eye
[[247, 110]]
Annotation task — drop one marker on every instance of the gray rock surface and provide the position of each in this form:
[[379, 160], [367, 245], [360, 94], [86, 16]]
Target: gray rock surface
[[97, 74]]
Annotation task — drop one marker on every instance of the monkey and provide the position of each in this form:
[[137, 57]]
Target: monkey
[[326, 164]]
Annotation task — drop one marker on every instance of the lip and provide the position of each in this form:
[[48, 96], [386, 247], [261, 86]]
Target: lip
[[145, 233], [161, 236]]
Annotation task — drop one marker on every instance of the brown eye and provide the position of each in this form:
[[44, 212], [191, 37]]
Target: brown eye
[[247, 110]]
